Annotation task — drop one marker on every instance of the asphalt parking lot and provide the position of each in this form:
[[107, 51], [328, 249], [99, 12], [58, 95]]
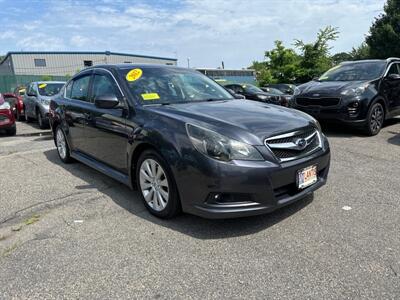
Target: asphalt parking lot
[[67, 231]]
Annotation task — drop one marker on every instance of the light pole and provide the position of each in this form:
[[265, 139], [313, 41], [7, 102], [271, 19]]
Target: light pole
[[188, 61]]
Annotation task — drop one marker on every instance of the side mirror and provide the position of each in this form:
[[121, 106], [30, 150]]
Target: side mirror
[[106, 101], [393, 77]]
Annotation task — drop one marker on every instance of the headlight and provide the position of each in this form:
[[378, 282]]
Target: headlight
[[355, 91], [5, 105], [263, 97], [220, 147], [296, 91], [45, 101]]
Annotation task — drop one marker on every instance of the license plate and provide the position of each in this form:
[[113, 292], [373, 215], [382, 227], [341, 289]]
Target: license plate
[[306, 177]]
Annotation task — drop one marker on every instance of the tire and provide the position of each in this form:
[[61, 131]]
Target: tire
[[62, 146], [12, 131], [375, 119], [19, 117], [156, 183], [41, 121], [28, 119]]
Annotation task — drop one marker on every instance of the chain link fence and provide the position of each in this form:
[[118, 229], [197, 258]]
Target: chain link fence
[[9, 82]]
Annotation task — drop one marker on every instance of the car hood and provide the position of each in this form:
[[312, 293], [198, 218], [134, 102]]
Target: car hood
[[244, 120], [315, 88]]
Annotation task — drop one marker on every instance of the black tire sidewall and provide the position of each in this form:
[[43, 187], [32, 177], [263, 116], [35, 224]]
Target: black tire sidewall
[[173, 206], [368, 125]]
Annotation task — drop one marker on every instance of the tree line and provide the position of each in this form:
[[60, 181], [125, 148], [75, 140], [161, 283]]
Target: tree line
[[305, 61]]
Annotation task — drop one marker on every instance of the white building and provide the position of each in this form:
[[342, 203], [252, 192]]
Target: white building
[[68, 63]]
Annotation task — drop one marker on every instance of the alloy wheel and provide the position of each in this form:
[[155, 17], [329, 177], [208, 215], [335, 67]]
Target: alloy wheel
[[376, 118], [61, 144], [154, 184]]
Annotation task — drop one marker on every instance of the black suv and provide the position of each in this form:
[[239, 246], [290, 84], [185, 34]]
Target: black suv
[[186, 143], [361, 93]]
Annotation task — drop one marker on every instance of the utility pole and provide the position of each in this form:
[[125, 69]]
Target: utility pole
[[188, 62]]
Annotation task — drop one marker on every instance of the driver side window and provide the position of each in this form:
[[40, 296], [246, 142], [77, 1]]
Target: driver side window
[[103, 86], [394, 69]]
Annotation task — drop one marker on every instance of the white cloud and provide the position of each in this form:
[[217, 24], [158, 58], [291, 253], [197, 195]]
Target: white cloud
[[208, 31]]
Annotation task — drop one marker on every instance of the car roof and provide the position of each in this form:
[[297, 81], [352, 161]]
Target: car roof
[[37, 82], [370, 60], [134, 66]]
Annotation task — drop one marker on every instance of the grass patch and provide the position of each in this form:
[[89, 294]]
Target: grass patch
[[32, 220], [9, 250]]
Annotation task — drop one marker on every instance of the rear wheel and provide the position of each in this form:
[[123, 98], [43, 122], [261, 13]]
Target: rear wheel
[[19, 116], [41, 121], [156, 185], [28, 119], [62, 146], [375, 118]]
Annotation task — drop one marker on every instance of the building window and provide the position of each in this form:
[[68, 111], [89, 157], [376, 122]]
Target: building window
[[88, 63], [40, 62], [127, 62]]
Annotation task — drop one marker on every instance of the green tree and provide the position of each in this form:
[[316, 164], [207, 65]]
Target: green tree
[[341, 57], [384, 35], [280, 65], [361, 52], [315, 57]]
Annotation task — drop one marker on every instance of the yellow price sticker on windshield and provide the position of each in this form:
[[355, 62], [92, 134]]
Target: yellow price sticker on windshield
[[150, 96], [134, 74], [42, 86]]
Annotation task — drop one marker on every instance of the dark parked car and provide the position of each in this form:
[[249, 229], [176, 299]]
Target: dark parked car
[[37, 100], [186, 143], [7, 119], [361, 93], [285, 88], [252, 92], [285, 99]]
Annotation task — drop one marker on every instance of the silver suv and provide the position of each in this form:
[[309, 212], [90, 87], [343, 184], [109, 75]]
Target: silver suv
[[37, 100]]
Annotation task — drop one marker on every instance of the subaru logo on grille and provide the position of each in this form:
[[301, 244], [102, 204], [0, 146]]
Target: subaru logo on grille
[[301, 144]]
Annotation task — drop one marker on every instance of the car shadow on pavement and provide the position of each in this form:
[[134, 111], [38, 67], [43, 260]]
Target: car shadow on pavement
[[186, 224], [346, 131], [395, 139]]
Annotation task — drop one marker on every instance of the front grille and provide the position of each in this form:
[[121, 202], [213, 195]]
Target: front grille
[[3, 118], [325, 102], [296, 144]]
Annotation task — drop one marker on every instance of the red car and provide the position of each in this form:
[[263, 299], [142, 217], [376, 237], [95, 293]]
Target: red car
[[16, 101], [7, 119]]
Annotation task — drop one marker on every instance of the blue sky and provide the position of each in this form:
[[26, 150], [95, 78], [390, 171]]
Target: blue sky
[[207, 31]]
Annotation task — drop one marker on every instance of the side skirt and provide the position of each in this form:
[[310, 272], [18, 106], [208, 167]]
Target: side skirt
[[103, 168]]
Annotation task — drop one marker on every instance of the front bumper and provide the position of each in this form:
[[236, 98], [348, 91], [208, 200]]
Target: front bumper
[[7, 119], [342, 113], [246, 188]]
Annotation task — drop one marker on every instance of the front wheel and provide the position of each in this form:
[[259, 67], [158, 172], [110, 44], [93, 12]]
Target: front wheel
[[375, 118], [62, 146], [12, 131], [156, 185]]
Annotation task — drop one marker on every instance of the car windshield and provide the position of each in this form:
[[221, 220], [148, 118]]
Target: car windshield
[[165, 85], [354, 71], [252, 88], [49, 89]]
